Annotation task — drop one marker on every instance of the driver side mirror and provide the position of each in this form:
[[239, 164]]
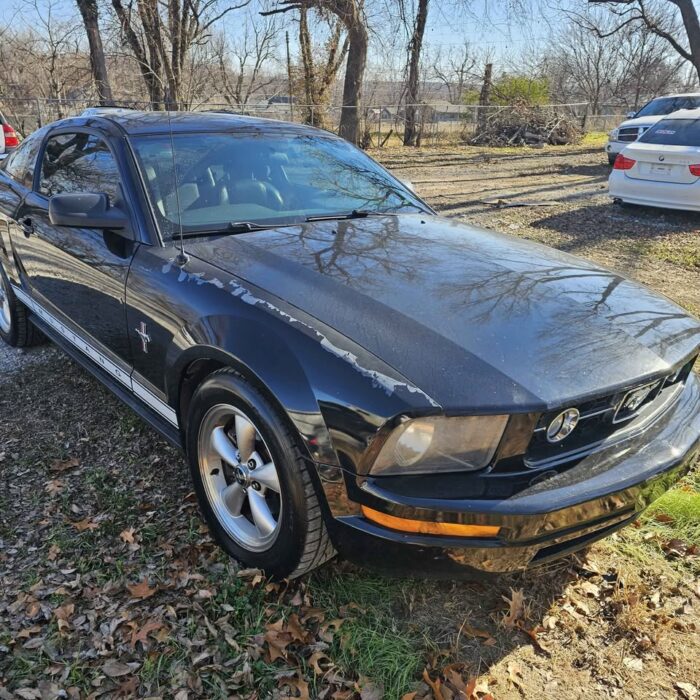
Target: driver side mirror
[[88, 210], [631, 115]]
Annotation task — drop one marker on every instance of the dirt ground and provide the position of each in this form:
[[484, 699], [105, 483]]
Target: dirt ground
[[110, 586]]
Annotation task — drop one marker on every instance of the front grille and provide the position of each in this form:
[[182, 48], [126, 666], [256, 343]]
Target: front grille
[[605, 420], [629, 133]]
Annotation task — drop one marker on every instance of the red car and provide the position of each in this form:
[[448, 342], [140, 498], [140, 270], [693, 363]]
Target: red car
[[9, 140]]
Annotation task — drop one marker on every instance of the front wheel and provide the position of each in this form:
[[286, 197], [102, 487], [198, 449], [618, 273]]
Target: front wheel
[[611, 158], [254, 487]]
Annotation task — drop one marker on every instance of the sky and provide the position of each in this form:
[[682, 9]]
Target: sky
[[497, 27]]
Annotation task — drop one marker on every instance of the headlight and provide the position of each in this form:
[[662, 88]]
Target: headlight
[[440, 444], [613, 134]]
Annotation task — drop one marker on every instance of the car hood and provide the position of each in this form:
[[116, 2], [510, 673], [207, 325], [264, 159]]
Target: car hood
[[641, 121], [478, 320]]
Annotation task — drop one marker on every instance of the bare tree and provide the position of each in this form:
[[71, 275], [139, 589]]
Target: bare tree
[[651, 67], [623, 67], [242, 68], [410, 134], [351, 14], [161, 35], [675, 21], [590, 66], [318, 79], [98, 65], [49, 54], [456, 70]]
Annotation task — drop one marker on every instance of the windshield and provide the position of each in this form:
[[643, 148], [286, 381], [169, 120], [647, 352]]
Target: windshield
[[666, 105], [262, 179], [674, 132]]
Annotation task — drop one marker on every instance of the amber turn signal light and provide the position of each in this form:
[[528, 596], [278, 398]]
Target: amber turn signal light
[[425, 527]]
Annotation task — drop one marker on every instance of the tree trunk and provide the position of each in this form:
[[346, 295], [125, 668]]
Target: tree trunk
[[692, 29], [414, 49], [149, 71], [307, 63], [352, 89], [484, 98], [98, 65]]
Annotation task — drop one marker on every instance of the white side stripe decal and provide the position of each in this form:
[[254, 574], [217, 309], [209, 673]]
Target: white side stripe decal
[[87, 349], [154, 402]]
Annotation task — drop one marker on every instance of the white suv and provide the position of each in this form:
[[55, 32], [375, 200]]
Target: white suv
[[647, 116]]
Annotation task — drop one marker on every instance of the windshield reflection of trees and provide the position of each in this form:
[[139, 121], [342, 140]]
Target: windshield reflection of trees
[[360, 252], [479, 281], [520, 285]]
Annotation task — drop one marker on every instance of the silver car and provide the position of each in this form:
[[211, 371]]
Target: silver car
[[638, 122]]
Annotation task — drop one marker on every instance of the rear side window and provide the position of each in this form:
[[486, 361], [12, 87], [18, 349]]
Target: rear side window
[[79, 163], [21, 162], [674, 132]]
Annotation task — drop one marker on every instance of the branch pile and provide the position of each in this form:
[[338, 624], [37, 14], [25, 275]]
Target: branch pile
[[527, 125]]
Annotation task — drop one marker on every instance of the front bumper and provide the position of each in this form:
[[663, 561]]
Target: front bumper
[[612, 148], [552, 517]]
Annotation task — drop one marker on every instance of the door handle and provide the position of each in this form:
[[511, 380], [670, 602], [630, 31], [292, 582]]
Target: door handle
[[27, 227]]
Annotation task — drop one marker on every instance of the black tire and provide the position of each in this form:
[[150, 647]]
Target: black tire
[[22, 333], [302, 542], [611, 158]]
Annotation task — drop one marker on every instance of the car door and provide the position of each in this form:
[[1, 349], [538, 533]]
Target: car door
[[77, 276]]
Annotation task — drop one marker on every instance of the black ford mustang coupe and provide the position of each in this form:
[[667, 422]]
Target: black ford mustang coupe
[[345, 370]]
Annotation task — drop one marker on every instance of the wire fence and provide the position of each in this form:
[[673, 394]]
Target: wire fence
[[436, 123]]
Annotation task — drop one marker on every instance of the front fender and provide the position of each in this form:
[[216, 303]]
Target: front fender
[[271, 365], [336, 393]]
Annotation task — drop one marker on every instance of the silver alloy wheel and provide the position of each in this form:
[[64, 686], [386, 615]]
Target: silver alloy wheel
[[240, 477], [5, 318]]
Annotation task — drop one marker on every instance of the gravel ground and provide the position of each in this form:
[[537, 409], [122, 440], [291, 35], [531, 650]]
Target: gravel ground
[[12, 360]]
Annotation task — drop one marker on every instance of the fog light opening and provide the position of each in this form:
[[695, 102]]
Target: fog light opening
[[563, 425]]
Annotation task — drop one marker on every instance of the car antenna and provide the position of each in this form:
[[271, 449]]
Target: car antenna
[[182, 257]]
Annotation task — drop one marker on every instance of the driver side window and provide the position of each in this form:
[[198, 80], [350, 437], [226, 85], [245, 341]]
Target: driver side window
[[79, 163]]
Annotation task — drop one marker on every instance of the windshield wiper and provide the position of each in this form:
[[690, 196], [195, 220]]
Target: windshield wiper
[[233, 227], [354, 214], [245, 226]]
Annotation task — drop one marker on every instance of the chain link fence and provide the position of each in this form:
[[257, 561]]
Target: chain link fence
[[438, 123]]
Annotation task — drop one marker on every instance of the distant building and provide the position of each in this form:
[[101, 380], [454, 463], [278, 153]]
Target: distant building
[[444, 112]]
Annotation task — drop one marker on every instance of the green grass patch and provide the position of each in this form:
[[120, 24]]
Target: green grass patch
[[677, 253], [685, 256], [674, 516], [381, 653], [158, 669], [372, 641], [595, 138], [683, 508]]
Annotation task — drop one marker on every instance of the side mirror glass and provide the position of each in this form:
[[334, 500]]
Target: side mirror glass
[[631, 115], [88, 210]]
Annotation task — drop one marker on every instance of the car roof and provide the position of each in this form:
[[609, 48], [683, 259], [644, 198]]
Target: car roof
[[135, 122], [676, 94]]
